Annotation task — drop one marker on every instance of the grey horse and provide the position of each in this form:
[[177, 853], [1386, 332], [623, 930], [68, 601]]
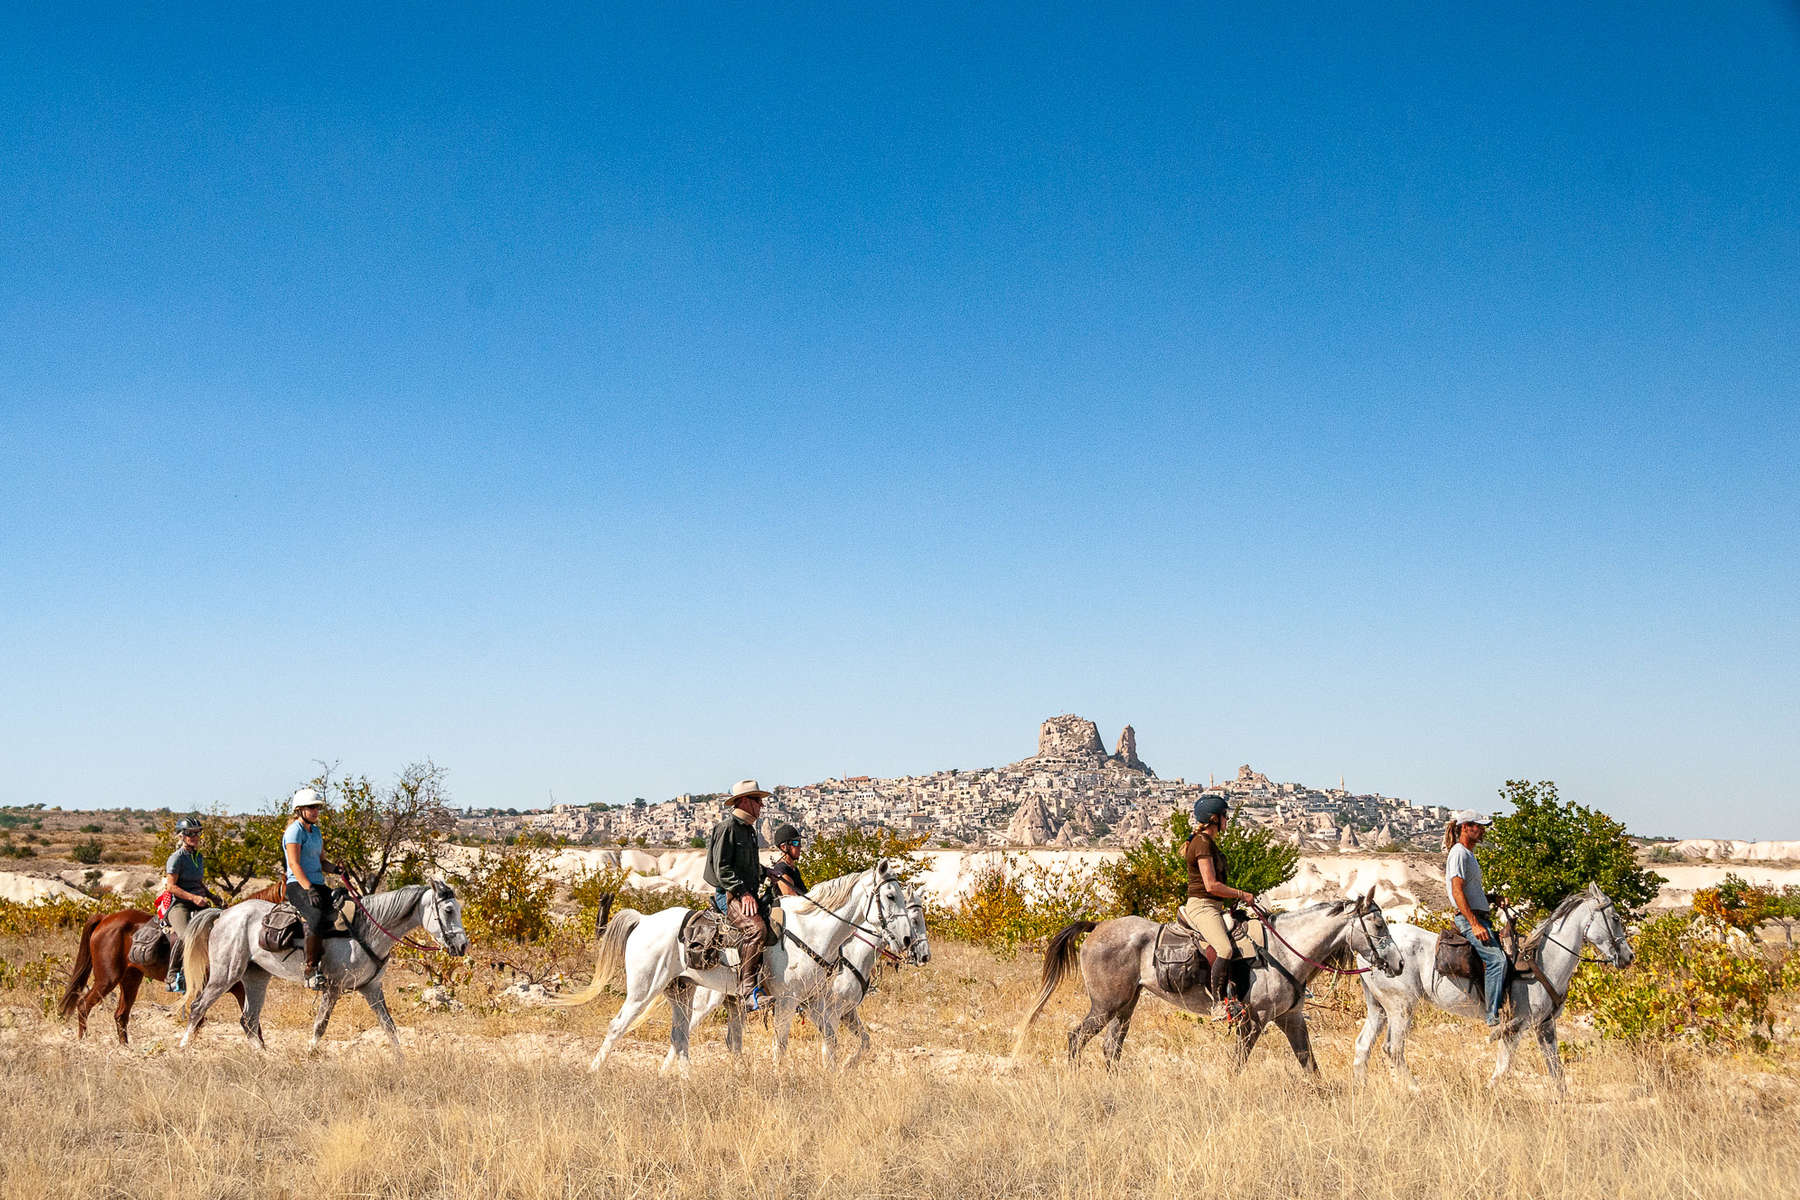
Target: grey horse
[[1584, 918], [1117, 969], [223, 951]]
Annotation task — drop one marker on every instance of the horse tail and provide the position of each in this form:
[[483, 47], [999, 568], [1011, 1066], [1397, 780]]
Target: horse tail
[[84, 967], [1058, 955], [609, 956], [193, 959]]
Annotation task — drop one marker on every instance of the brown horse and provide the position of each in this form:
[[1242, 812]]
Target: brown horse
[[102, 955]]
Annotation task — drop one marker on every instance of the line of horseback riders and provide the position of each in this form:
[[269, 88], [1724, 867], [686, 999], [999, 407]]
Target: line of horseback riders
[[185, 894]]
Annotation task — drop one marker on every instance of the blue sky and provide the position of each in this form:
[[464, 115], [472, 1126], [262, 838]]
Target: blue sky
[[619, 404]]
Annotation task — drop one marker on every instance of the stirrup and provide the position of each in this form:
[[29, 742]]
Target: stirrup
[[1236, 1010], [177, 982], [315, 982]]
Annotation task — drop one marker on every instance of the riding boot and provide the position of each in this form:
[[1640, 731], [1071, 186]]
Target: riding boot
[[315, 950], [177, 982], [1223, 990]]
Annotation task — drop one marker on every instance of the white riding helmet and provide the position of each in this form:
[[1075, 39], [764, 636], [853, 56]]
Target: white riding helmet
[[306, 798]]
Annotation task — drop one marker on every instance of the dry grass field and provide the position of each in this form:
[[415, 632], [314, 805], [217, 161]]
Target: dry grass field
[[498, 1102]]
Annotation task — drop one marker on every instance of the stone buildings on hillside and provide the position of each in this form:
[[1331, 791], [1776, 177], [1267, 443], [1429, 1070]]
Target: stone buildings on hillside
[[1070, 793]]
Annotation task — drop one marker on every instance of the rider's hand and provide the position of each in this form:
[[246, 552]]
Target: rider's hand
[[1481, 933], [745, 905]]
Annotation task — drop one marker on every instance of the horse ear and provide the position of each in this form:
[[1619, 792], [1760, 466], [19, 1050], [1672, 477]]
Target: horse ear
[[882, 869]]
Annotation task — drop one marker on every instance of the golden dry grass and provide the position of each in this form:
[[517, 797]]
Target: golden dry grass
[[499, 1103]]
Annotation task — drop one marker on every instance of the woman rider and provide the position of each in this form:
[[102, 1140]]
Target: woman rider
[[784, 872], [184, 879], [303, 845], [1208, 893]]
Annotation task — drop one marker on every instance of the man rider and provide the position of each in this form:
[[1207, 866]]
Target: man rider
[[1208, 893], [303, 845], [184, 879], [784, 872], [1462, 880], [735, 870]]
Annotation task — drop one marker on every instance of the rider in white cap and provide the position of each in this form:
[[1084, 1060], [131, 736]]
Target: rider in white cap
[[1462, 880]]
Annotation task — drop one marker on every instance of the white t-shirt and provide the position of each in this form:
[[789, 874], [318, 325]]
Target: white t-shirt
[[1462, 864]]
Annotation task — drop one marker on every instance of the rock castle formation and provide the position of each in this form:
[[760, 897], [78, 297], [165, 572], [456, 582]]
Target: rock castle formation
[[1070, 793]]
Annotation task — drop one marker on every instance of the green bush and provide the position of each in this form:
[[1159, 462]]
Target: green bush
[[831, 855], [507, 894], [86, 852], [1546, 849], [90, 828], [1150, 879], [1013, 905]]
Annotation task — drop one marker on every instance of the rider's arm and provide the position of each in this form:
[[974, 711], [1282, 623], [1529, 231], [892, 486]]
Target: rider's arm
[[1216, 887], [292, 849], [1461, 900]]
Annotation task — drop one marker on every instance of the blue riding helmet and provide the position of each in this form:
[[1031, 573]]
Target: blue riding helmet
[[1209, 806]]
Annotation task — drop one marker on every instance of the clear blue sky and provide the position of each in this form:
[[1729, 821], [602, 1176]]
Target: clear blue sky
[[618, 404]]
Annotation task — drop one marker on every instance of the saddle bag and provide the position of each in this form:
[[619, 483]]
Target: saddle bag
[[705, 937], [282, 928], [148, 944], [1455, 957], [1178, 959]]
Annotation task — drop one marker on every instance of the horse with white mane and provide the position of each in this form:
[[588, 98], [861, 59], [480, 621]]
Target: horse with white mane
[[828, 992], [1118, 967], [648, 948], [1584, 918], [224, 950]]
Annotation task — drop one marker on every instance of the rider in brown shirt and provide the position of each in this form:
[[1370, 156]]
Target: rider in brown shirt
[[1208, 894]]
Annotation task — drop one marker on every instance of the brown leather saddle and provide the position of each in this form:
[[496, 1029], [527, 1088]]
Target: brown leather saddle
[[708, 939], [1183, 960], [1456, 958]]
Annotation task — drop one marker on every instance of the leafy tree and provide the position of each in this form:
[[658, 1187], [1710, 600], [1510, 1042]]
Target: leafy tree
[[371, 831], [235, 849], [1150, 880], [1547, 848], [85, 852], [856, 849], [507, 895]]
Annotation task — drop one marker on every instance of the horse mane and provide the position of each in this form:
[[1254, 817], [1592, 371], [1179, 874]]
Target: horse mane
[[1535, 938], [834, 892]]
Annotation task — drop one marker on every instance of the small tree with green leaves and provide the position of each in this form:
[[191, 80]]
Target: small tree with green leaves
[[855, 849], [234, 849], [1548, 848], [371, 832]]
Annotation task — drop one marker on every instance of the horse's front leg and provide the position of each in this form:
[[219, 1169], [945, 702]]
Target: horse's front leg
[[1292, 1024], [128, 990], [1503, 1061], [861, 1031], [1245, 1032], [327, 1001], [785, 1008], [371, 992], [1366, 1039]]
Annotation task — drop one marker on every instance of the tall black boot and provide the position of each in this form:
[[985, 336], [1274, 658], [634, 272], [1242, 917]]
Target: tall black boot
[[1224, 991], [315, 950]]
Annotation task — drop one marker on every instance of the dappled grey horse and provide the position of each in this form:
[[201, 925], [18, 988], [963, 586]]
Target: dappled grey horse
[[828, 991], [1118, 967], [1585, 918], [223, 950]]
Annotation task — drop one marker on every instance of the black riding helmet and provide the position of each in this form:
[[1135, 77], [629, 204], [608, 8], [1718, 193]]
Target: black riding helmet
[[187, 825], [785, 833], [1209, 806]]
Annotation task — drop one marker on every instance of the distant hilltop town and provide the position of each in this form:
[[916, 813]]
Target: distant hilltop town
[[1070, 793]]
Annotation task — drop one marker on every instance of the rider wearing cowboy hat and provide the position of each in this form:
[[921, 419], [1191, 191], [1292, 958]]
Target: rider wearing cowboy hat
[[734, 868], [184, 879], [784, 872], [1469, 899], [303, 845], [1208, 893]]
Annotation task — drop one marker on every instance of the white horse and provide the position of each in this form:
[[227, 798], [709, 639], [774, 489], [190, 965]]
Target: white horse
[[649, 950], [828, 992], [223, 950], [1584, 918]]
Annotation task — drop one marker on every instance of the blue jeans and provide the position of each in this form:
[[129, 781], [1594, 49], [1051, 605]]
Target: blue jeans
[[1493, 960]]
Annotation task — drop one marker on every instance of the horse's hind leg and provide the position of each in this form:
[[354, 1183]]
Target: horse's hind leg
[[1117, 1028], [197, 1005], [128, 990], [251, 993], [1098, 1016], [103, 983], [701, 1002], [640, 994]]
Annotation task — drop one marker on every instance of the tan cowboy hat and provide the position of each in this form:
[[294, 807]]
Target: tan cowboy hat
[[746, 789], [306, 798]]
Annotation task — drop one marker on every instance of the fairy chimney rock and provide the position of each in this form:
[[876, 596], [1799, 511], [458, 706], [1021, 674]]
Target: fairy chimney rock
[[1126, 755], [1069, 736]]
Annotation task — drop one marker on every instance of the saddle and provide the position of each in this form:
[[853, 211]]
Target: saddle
[[708, 939], [1456, 959], [150, 944], [1184, 961]]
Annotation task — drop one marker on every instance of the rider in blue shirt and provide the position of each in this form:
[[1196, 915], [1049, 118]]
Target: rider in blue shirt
[[303, 846]]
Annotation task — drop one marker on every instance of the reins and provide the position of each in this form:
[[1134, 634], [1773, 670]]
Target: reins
[[357, 900], [1269, 923]]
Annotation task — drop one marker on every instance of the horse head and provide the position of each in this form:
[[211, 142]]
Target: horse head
[[440, 912], [1369, 927], [1604, 928], [888, 905], [921, 937]]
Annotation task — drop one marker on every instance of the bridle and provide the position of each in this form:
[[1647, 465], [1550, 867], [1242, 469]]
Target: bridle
[[1385, 943], [1612, 946], [437, 911], [858, 931]]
